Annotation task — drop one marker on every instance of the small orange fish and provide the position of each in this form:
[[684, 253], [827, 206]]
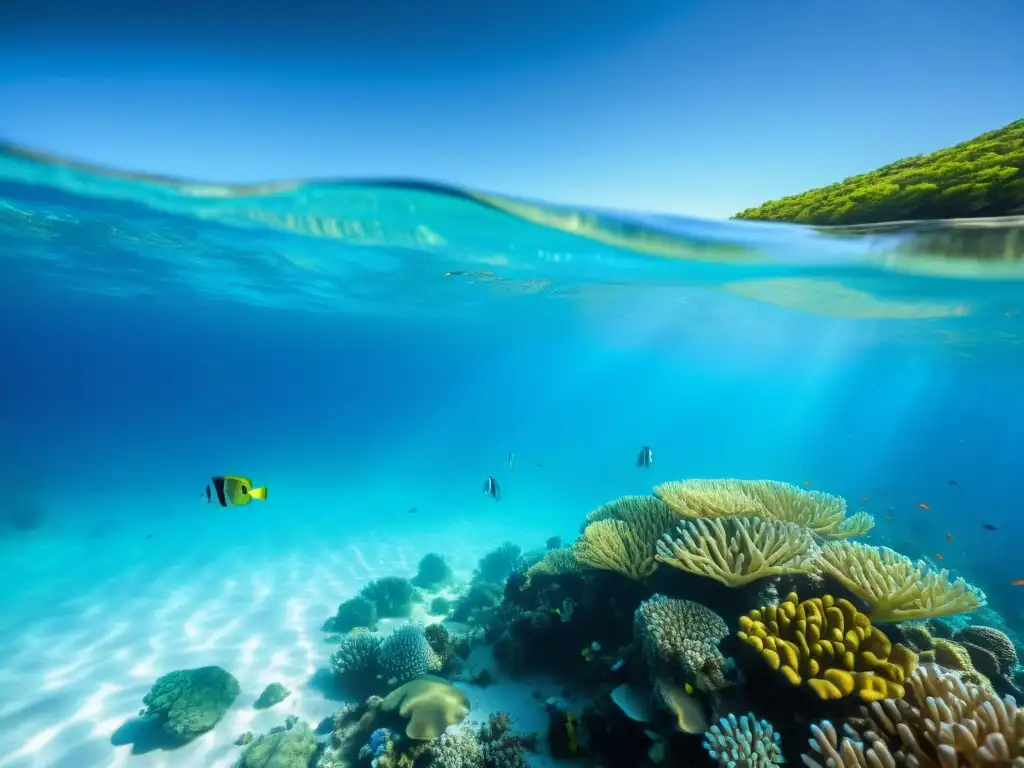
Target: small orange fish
[[924, 506], [939, 557], [865, 500], [949, 537], [1017, 583]]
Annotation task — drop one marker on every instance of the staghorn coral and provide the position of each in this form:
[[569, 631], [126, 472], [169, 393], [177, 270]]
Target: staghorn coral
[[945, 722], [992, 640], [743, 742], [555, 562], [848, 752], [897, 588], [738, 550], [681, 636], [830, 645], [406, 653]]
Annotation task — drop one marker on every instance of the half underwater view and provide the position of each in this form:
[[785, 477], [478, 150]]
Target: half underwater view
[[360, 471]]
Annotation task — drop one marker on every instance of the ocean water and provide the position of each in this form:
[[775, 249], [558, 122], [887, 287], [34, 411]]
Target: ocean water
[[372, 351]]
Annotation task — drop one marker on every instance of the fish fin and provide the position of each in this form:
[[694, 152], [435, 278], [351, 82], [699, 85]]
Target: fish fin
[[259, 493]]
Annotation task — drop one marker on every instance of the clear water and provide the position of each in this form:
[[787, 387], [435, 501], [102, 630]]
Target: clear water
[[367, 348]]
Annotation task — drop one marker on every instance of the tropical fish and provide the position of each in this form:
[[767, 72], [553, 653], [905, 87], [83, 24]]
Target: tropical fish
[[234, 490], [491, 488], [511, 459], [988, 527], [949, 537], [646, 457], [412, 510], [924, 506], [1017, 583], [955, 483], [939, 557]]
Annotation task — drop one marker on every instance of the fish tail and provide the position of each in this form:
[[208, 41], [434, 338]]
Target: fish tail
[[259, 493]]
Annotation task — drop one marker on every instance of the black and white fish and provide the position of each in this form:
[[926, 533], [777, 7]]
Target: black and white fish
[[491, 488], [511, 460], [646, 457]]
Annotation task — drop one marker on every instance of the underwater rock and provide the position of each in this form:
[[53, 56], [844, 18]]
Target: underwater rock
[[190, 702], [359, 611], [285, 749], [273, 694], [433, 572], [393, 596]]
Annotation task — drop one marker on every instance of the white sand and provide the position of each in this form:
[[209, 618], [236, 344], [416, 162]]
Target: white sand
[[91, 624]]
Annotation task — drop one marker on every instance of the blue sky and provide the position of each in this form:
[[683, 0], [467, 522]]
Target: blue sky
[[701, 108]]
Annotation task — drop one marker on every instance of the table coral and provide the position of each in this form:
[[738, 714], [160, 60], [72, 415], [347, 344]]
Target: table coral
[[430, 704], [624, 538], [738, 550], [897, 588], [830, 645]]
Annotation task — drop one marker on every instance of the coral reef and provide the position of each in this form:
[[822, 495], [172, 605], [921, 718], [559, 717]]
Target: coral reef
[[556, 562], [360, 611], [441, 606], [623, 535], [393, 596], [482, 745], [991, 640], [738, 550], [496, 565], [405, 654], [941, 721], [433, 572], [897, 588], [680, 638], [273, 694], [190, 702], [355, 662], [829, 644], [430, 704], [290, 748], [743, 742]]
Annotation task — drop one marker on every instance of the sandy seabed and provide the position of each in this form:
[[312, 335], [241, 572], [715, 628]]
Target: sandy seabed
[[90, 622]]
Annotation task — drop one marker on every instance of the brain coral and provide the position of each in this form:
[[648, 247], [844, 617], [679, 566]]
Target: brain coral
[[406, 654], [189, 702], [829, 644], [679, 635], [992, 640]]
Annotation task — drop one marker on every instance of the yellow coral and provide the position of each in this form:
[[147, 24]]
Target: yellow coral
[[554, 563], [822, 513], [625, 538], [709, 498], [737, 551], [830, 645], [897, 588]]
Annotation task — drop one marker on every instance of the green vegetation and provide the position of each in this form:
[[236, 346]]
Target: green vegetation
[[980, 177]]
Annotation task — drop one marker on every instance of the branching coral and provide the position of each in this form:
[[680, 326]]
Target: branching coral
[[681, 636], [849, 752], [555, 562], [897, 588], [946, 722], [830, 645], [355, 660], [743, 742], [737, 551]]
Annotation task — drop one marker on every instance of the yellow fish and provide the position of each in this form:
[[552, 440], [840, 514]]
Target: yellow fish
[[234, 490]]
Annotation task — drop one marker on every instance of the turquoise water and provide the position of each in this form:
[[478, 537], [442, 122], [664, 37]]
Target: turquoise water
[[368, 348]]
